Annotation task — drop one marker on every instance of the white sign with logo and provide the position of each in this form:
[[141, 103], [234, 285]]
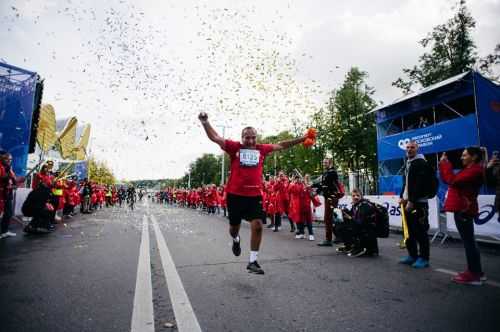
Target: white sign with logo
[[486, 224], [391, 203], [19, 198]]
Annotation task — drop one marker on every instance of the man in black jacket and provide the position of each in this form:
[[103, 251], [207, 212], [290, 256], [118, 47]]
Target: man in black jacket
[[414, 199], [329, 186]]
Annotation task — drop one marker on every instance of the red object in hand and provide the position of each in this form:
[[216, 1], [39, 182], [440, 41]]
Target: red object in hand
[[311, 133], [309, 142]]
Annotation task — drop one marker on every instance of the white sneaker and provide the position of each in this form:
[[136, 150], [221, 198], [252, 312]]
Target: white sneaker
[[7, 234], [311, 237], [299, 236]]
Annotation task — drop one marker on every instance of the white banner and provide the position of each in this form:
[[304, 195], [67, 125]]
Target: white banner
[[391, 203], [486, 224], [19, 198]]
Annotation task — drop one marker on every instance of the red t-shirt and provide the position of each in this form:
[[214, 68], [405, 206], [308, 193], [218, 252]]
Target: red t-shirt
[[246, 168]]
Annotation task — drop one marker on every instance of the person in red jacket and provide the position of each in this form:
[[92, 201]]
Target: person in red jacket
[[461, 199]]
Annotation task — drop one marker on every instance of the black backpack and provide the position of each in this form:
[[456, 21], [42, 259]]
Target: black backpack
[[432, 183], [381, 219]]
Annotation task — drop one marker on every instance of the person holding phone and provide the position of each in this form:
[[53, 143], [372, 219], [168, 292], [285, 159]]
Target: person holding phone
[[461, 200]]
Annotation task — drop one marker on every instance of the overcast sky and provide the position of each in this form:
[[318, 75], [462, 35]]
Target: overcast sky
[[140, 71]]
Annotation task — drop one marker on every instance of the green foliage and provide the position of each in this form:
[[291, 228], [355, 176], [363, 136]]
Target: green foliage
[[347, 130], [205, 170], [452, 51], [305, 160], [99, 172]]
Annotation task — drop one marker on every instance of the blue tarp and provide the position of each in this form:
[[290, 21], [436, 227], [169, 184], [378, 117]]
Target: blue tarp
[[17, 92], [488, 106]]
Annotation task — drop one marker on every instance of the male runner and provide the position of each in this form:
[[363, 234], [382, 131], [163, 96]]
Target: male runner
[[244, 187]]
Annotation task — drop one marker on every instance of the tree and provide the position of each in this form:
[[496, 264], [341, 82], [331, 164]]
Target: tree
[[452, 52], [347, 129], [99, 172]]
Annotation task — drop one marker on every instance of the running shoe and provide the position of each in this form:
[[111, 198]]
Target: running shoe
[[408, 260], [468, 278], [255, 268], [420, 263], [343, 250], [357, 252], [236, 248], [299, 236], [311, 237]]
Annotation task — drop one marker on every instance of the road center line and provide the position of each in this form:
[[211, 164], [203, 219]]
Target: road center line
[[184, 315], [142, 314]]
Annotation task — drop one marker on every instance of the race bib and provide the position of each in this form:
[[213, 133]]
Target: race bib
[[249, 158]]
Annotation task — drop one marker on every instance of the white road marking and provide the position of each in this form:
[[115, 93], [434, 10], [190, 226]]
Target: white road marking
[[184, 315], [453, 273], [142, 314]]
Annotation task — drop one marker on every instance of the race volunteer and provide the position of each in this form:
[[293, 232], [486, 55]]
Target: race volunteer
[[244, 187]]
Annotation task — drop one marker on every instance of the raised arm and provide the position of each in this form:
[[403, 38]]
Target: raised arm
[[288, 144], [211, 133]]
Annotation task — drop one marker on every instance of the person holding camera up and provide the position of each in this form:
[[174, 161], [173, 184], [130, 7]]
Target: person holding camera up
[[461, 200]]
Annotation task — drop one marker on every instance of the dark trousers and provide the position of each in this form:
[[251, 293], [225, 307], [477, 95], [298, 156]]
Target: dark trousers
[[465, 226], [301, 227], [330, 204], [7, 214], [277, 220], [358, 235], [417, 219]]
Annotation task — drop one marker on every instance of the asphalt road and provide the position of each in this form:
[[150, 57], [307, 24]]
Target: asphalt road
[[87, 276]]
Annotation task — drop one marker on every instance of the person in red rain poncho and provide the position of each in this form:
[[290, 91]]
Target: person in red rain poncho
[[212, 198], [305, 215], [282, 201]]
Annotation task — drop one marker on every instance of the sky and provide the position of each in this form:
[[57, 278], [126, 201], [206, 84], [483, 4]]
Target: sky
[[140, 72]]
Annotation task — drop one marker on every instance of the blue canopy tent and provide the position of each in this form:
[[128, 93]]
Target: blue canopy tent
[[17, 101], [461, 111]]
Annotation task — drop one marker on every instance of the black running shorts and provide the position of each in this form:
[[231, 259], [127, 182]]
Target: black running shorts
[[243, 207]]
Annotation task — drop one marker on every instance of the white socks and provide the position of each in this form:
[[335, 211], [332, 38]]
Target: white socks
[[253, 256]]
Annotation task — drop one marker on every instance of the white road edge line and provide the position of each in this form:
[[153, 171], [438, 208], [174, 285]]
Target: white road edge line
[[183, 311], [142, 314], [453, 273]]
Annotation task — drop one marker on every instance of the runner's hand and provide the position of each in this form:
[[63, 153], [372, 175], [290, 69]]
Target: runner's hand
[[203, 117], [444, 157]]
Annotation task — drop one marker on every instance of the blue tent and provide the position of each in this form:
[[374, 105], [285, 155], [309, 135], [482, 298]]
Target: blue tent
[[461, 111], [17, 96]]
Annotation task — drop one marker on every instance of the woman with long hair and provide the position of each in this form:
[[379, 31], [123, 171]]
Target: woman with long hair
[[461, 200]]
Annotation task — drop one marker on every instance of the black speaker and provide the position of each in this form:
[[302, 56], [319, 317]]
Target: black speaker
[[37, 103]]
